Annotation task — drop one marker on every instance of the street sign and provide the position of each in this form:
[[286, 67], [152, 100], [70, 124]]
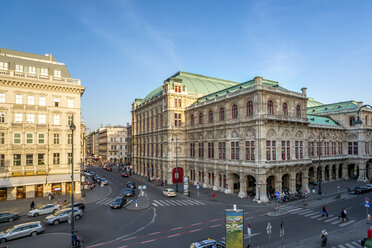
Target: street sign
[[366, 204], [338, 186], [268, 228], [144, 186], [198, 186], [366, 199], [277, 194]]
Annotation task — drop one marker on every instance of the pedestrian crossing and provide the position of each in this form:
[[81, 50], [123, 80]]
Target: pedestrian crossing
[[176, 203], [352, 244], [309, 213], [105, 201]]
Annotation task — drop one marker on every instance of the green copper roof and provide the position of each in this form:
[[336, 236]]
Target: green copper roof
[[321, 120], [153, 94], [240, 86], [312, 103], [340, 106]]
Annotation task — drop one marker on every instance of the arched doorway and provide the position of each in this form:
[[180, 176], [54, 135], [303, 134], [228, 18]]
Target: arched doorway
[[285, 181], [251, 184], [299, 181], [353, 171], [326, 173], [334, 172], [270, 181], [340, 171], [179, 171], [236, 183]]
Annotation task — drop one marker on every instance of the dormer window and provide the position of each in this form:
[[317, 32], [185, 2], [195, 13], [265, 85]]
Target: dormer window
[[351, 121], [57, 73]]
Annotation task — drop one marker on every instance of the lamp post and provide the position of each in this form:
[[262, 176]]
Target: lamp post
[[176, 174], [319, 169], [72, 128], [83, 177]]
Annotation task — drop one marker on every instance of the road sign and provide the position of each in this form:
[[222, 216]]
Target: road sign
[[366, 199], [144, 186], [338, 186], [277, 194], [198, 186], [268, 228], [366, 204]]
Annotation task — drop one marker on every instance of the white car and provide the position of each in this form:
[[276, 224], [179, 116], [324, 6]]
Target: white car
[[46, 209], [369, 187], [169, 192]]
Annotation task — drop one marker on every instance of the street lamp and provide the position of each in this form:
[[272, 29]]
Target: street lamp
[[83, 177], [319, 169], [176, 174], [358, 121], [72, 128]]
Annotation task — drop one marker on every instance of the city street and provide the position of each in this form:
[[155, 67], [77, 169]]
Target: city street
[[176, 222]]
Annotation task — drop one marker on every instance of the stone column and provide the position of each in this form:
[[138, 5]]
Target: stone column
[[261, 190], [205, 184], [292, 182], [345, 172], [278, 184], [243, 187], [11, 193], [362, 172], [230, 185], [305, 181], [216, 180]]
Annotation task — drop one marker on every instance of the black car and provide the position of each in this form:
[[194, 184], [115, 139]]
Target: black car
[[118, 202], [8, 217], [131, 185], [129, 192], [78, 205], [361, 190]]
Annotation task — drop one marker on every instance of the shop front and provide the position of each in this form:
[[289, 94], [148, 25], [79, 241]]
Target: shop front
[[3, 194], [21, 192], [39, 190], [57, 188]]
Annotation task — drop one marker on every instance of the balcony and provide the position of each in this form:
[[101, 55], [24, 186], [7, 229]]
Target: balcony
[[23, 75]]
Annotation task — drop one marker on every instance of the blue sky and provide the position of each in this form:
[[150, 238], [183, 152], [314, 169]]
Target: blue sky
[[123, 49]]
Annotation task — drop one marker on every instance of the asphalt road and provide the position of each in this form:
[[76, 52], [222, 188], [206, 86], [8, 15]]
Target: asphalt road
[[178, 221]]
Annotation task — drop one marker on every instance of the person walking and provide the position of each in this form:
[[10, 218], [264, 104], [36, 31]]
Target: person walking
[[343, 217], [213, 196], [324, 211], [32, 206]]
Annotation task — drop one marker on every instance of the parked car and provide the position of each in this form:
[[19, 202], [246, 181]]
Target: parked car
[[369, 187], [46, 209], [92, 173], [129, 192], [21, 230], [361, 190], [131, 185], [63, 215], [118, 202], [97, 179], [78, 205], [207, 243], [169, 193], [104, 181], [124, 174], [8, 217]]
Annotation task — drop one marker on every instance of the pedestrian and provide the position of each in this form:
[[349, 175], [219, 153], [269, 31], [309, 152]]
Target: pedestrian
[[248, 246], [64, 202], [214, 245], [343, 217], [324, 211], [32, 206], [213, 196], [50, 196]]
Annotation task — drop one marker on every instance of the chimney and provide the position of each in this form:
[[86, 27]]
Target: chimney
[[258, 81], [304, 91]]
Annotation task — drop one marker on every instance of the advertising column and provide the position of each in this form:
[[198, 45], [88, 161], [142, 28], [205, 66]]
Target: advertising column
[[234, 228]]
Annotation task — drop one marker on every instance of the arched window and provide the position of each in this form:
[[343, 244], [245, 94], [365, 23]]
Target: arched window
[[234, 111], [285, 109], [200, 118], [222, 114], [270, 107], [298, 111], [210, 116], [249, 108], [192, 121], [351, 121]]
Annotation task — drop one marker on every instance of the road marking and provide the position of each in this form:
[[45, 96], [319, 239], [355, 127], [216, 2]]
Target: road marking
[[171, 203], [349, 245], [177, 203], [341, 246], [216, 225], [297, 211], [200, 203], [153, 233], [176, 228], [186, 202], [195, 230], [304, 212], [292, 210], [157, 202], [147, 241], [310, 214], [98, 202], [347, 223], [331, 219], [174, 235], [195, 224], [154, 204]]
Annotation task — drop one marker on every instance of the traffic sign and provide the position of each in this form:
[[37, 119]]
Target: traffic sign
[[366, 204], [338, 186], [268, 228], [198, 186], [366, 199], [144, 186], [277, 195]]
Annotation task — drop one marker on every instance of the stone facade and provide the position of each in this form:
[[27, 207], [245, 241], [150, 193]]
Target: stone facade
[[247, 137], [112, 143], [38, 101]]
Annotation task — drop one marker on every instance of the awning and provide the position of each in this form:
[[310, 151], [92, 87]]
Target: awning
[[21, 181], [62, 178]]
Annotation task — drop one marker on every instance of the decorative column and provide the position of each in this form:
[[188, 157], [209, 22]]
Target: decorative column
[[261, 190], [230, 185], [292, 182], [305, 181], [278, 184], [345, 172], [362, 172], [205, 184], [216, 180], [243, 187]]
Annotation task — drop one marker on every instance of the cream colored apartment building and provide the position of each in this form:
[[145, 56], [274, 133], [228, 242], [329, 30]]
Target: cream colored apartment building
[[247, 137], [38, 101], [112, 143]]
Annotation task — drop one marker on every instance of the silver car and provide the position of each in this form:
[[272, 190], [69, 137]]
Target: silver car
[[22, 230], [63, 215], [46, 209]]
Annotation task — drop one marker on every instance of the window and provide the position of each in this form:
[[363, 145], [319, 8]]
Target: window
[[366, 120], [44, 71], [57, 73], [298, 111], [301, 143], [16, 159], [333, 148], [175, 102], [286, 150], [2, 138], [56, 158], [319, 149], [29, 138], [19, 68], [222, 150], [18, 117], [249, 150], [210, 116], [210, 150], [177, 119], [18, 99], [355, 148], [179, 103], [201, 150], [2, 97], [29, 159], [57, 120], [2, 117], [17, 138], [69, 138], [326, 148], [2, 160], [249, 108], [234, 111], [192, 150], [192, 120], [69, 158], [70, 103], [177, 88], [235, 150], [299, 149], [31, 69], [367, 148], [3, 66], [340, 148], [56, 138], [222, 114], [350, 148], [270, 107], [311, 149], [69, 120], [42, 101], [351, 121], [56, 102], [285, 109], [42, 119], [200, 118], [40, 159], [30, 118], [270, 150], [30, 100], [41, 138]]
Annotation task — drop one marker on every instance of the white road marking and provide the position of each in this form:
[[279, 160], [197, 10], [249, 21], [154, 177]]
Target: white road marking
[[147, 241], [177, 203], [158, 203], [305, 212], [310, 214], [347, 223], [98, 202], [293, 210], [174, 235], [153, 233], [349, 245], [331, 219], [154, 204], [195, 230], [171, 203], [186, 203]]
